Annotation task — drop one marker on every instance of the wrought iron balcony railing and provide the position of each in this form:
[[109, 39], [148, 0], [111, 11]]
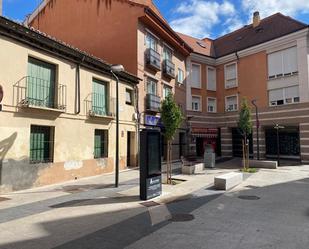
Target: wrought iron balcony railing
[[153, 102], [36, 92], [99, 105], [169, 68], [153, 59]]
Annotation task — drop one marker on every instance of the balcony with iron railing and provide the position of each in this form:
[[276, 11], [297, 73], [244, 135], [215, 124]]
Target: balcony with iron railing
[[98, 105], [169, 68], [32, 92], [153, 59], [153, 103]]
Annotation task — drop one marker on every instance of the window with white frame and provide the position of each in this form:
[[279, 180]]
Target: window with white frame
[[151, 86], [211, 79], [230, 72], [151, 42], [211, 104], [166, 90], [284, 96], [282, 63], [196, 76], [180, 76], [231, 103], [196, 103]]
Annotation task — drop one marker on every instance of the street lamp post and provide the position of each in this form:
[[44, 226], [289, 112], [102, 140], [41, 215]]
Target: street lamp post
[[257, 128], [277, 127], [115, 69]]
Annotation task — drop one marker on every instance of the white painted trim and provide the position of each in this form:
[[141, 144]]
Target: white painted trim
[[36, 12], [203, 59]]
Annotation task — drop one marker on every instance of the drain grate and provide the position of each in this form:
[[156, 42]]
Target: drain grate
[[252, 186], [181, 217], [249, 197], [150, 204]]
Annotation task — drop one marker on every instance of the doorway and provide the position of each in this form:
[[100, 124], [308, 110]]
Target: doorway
[[131, 157]]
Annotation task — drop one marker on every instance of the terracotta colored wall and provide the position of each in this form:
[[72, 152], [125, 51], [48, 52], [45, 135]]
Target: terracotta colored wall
[[252, 81], [105, 29]]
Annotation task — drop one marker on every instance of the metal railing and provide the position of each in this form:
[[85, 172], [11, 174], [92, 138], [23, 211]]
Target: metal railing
[[99, 105], [169, 68], [36, 92], [153, 102], [153, 59]]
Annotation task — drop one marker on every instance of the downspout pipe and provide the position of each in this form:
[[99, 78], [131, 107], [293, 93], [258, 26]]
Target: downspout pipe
[[77, 87]]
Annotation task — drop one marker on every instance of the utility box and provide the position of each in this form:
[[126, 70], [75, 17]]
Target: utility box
[[209, 157], [150, 164]]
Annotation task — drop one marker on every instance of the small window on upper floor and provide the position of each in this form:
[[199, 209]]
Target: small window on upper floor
[[231, 103], [167, 53], [211, 79], [211, 104], [196, 103], [284, 96], [151, 42], [196, 76], [282, 63], [180, 76], [129, 96], [166, 90], [230, 72]]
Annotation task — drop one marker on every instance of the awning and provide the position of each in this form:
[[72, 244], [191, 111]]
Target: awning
[[204, 132], [204, 135]]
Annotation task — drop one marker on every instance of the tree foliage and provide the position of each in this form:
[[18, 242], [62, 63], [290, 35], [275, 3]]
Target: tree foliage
[[171, 116], [245, 121]]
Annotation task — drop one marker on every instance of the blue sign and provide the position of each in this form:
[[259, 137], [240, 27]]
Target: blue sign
[[153, 120]]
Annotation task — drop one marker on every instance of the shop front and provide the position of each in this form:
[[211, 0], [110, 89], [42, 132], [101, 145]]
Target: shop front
[[203, 137]]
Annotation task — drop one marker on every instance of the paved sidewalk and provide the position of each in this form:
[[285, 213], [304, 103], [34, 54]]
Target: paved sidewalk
[[49, 217]]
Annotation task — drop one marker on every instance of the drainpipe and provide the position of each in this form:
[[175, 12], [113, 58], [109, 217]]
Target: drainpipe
[[77, 87], [236, 53], [137, 124], [0, 7]]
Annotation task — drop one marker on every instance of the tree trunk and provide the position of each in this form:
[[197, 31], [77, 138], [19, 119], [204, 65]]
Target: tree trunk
[[168, 163], [244, 154]]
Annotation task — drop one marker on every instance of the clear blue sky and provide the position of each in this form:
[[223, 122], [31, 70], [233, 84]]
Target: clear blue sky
[[199, 18]]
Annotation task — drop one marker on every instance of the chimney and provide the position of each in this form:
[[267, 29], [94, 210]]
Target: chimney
[[0, 7], [256, 19]]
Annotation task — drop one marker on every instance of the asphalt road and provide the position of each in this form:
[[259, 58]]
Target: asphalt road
[[279, 219]]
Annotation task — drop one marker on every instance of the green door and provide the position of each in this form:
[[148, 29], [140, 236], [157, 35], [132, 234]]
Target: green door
[[99, 98], [41, 83]]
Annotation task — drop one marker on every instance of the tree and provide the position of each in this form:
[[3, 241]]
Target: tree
[[171, 118], [245, 127]]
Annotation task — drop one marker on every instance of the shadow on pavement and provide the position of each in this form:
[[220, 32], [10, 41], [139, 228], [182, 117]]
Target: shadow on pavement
[[281, 211]]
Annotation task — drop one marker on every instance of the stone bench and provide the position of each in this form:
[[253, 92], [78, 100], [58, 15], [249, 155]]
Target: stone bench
[[263, 164], [192, 168], [228, 181]]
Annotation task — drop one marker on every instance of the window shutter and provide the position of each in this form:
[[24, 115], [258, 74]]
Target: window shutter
[[231, 72], [99, 98], [275, 64], [196, 81], [275, 95], [290, 60], [291, 92], [211, 79]]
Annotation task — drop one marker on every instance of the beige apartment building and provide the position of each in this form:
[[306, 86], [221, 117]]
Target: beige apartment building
[[58, 111], [132, 33]]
